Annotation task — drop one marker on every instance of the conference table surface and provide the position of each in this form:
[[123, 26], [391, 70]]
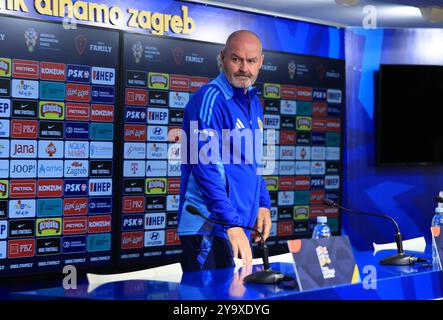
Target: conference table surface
[[415, 282]]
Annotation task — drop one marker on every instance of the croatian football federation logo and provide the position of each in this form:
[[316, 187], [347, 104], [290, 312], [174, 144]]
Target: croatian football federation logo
[[292, 67], [31, 37], [137, 50]]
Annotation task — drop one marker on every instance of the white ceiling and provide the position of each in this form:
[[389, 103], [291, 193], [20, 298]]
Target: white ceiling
[[389, 14]]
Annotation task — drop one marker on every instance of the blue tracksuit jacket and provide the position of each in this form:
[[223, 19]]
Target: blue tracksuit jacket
[[223, 191]]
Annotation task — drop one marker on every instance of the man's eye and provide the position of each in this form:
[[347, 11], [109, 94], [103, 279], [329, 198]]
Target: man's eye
[[235, 59]]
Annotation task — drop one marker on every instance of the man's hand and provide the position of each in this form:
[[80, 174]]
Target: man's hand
[[264, 223], [240, 245]]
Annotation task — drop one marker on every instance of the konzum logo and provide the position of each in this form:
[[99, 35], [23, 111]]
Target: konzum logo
[[50, 188]]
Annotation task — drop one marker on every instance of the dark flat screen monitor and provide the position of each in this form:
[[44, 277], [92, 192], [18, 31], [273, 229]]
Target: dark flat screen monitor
[[409, 115]]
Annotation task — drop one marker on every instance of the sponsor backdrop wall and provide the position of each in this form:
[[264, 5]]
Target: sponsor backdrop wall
[[405, 193], [57, 132], [89, 154], [302, 100]]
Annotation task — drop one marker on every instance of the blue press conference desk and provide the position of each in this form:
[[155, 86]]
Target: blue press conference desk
[[393, 282]]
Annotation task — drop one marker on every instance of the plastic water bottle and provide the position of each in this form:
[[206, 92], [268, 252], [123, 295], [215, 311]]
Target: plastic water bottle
[[437, 220], [321, 229]]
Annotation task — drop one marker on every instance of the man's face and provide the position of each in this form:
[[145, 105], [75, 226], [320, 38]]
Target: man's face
[[242, 60]]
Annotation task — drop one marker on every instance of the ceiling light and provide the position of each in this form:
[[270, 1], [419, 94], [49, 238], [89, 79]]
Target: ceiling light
[[432, 14], [399, 12], [347, 2]]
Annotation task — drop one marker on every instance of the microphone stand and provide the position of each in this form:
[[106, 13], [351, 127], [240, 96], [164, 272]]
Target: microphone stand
[[267, 276], [399, 259]]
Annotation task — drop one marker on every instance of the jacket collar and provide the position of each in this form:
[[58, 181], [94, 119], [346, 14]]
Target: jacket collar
[[229, 91]]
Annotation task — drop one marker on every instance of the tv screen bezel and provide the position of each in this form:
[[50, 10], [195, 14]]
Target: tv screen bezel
[[378, 119]]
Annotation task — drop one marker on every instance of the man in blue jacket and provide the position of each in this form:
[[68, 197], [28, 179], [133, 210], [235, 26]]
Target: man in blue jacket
[[220, 176]]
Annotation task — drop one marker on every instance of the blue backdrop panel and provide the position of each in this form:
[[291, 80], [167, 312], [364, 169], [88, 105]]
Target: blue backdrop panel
[[214, 24], [406, 193]]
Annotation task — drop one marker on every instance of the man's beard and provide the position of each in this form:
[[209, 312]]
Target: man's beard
[[245, 82]]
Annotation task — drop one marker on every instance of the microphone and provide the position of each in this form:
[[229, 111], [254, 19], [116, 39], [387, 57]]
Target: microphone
[[399, 259], [266, 276]]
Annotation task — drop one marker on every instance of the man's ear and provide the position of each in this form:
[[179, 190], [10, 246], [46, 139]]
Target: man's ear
[[262, 58], [222, 55]]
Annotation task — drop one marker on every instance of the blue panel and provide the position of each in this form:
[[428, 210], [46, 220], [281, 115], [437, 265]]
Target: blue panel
[[214, 24], [406, 193], [386, 283]]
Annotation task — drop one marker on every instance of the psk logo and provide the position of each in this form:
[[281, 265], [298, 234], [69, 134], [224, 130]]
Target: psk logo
[[137, 50], [80, 42], [292, 67], [31, 37], [158, 131], [177, 53]]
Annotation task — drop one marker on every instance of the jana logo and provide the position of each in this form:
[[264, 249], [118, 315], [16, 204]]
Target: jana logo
[[80, 43]]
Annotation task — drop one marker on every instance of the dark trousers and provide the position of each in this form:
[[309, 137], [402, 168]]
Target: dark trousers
[[205, 252]]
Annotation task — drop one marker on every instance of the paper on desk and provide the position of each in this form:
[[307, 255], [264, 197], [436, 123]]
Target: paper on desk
[[285, 258], [169, 273], [416, 244]]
